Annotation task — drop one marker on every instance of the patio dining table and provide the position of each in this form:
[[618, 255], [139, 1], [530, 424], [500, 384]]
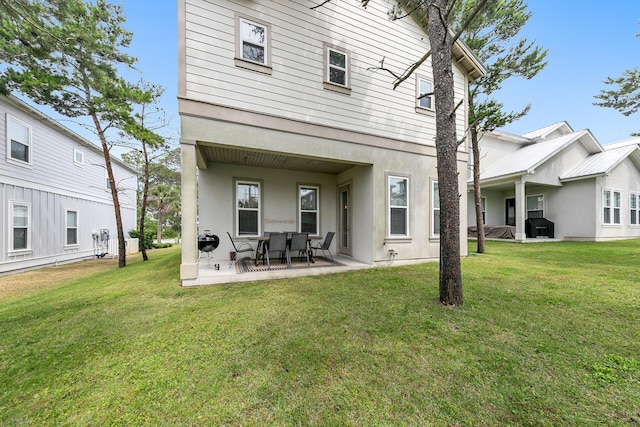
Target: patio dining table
[[262, 240]]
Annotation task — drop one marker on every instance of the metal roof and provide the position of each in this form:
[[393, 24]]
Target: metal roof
[[602, 163], [623, 143], [528, 158], [543, 132]]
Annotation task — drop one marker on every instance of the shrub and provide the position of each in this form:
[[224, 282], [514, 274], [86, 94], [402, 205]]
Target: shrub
[[149, 236]]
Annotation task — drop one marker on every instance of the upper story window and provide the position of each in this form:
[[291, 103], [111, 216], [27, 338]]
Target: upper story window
[[248, 212], [337, 71], [424, 94], [78, 157], [19, 234], [398, 206], [535, 206], [19, 142], [337, 65], [309, 211], [253, 40]]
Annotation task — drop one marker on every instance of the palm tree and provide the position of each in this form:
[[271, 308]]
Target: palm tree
[[164, 199]]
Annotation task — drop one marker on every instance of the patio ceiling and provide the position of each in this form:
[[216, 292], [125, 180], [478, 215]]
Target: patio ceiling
[[272, 160]]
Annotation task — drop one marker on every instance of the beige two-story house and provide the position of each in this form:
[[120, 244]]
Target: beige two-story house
[[289, 124]]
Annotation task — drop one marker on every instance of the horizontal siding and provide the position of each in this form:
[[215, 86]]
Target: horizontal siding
[[53, 166], [295, 90]]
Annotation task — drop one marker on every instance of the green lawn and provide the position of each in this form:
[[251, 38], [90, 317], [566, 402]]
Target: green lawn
[[549, 335]]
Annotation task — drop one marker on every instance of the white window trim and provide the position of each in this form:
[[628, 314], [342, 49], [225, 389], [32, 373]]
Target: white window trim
[[612, 208], [240, 61], [636, 196], [406, 208], [316, 211], [483, 207], [28, 249], [328, 84], [617, 209], [237, 209], [606, 206], [66, 228], [434, 198], [11, 119], [419, 108], [77, 153]]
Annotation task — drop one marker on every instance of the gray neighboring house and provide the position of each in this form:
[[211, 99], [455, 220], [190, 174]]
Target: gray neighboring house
[[54, 193], [285, 126], [588, 191]]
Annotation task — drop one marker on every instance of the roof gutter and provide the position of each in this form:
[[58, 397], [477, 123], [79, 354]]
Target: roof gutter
[[578, 178]]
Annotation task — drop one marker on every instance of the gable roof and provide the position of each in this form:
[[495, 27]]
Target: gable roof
[[623, 143], [527, 159], [563, 127], [509, 137], [603, 163]]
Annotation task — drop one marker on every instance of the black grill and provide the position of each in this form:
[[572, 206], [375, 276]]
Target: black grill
[[207, 243]]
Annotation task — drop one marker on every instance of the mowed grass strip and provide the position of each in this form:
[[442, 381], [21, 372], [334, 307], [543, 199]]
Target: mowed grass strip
[[548, 335]]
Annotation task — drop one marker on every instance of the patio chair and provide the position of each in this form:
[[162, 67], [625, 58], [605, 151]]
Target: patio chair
[[277, 243], [241, 248], [298, 245], [324, 247]]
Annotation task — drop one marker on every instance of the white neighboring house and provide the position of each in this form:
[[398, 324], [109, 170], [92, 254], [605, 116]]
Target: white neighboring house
[[291, 129], [54, 193], [588, 191]]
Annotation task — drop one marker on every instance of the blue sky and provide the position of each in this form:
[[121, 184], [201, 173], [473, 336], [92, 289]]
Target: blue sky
[[588, 41]]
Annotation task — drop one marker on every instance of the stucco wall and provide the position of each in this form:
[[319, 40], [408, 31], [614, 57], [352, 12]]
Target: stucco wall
[[624, 178]]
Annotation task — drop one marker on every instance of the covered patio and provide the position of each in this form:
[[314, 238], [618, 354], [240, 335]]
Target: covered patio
[[211, 203], [232, 273]]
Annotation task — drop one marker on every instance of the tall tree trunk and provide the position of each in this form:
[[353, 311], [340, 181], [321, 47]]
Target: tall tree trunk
[[477, 196], [122, 248], [447, 150], [143, 204]]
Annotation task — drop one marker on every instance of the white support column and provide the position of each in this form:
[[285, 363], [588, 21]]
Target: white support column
[[189, 265], [521, 203]]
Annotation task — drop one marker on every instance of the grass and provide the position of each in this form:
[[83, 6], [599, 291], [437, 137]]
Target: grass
[[549, 335]]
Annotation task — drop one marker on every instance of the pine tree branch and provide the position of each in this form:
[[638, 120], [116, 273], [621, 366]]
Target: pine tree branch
[[409, 71], [320, 5]]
